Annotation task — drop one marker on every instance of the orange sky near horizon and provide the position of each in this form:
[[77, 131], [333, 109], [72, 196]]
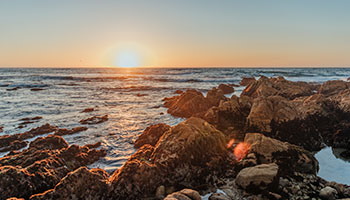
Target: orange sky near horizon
[[174, 34]]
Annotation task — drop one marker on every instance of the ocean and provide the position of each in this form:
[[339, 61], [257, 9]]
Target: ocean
[[132, 98]]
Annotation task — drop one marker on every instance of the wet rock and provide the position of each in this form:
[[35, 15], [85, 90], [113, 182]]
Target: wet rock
[[328, 193], [258, 178], [87, 110], [247, 80], [185, 194], [31, 118], [36, 89], [13, 89], [290, 158], [160, 192], [50, 142], [94, 120], [178, 92], [15, 145], [151, 135], [141, 95], [6, 140], [226, 89], [187, 155], [79, 184], [187, 104], [63, 131]]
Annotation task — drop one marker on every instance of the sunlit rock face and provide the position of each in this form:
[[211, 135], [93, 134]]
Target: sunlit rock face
[[290, 158], [188, 155], [151, 135]]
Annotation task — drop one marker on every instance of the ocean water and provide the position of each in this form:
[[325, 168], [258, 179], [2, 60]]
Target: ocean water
[[132, 98]]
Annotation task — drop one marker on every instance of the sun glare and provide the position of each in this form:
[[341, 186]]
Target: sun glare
[[127, 59]]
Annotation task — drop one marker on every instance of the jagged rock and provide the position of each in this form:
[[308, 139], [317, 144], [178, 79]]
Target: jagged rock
[[247, 80], [31, 118], [290, 158], [258, 178], [215, 96], [328, 193], [63, 131], [151, 135], [94, 120], [279, 86], [79, 184], [187, 104], [15, 145], [333, 87], [187, 155], [226, 89], [230, 116], [6, 140], [42, 165], [185, 194]]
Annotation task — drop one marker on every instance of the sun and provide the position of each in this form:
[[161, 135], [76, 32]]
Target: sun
[[128, 59]]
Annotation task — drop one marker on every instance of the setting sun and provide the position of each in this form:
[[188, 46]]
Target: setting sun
[[127, 59]]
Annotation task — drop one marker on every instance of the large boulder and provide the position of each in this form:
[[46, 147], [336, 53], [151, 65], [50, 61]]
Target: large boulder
[[226, 89], [265, 87], [258, 178], [266, 109], [187, 104], [185, 194], [151, 135], [247, 80], [290, 158], [79, 184], [333, 87], [188, 155]]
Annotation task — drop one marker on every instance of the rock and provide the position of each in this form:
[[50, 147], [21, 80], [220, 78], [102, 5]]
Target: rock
[[226, 89], [215, 96], [247, 80], [94, 120], [187, 155], [141, 95], [328, 193], [63, 131], [178, 92], [279, 86], [6, 140], [187, 104], [160, 192], [258, 178], [13, 89], [219, 196], [79, 184], [36, 89], [87, 110], [1, 129], [185, 194], [151, 135], [31, 119], [333, 87], [42, 166], [268, 109], [290, 158], [15, 145], [15, 198]]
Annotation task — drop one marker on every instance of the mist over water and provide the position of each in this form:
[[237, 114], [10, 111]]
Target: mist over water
[[132, 98]]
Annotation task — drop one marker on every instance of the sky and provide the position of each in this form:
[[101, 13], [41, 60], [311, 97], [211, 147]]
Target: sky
[[178, 33]]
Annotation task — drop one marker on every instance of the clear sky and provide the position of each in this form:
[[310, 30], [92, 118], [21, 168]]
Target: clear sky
[[174, 33]]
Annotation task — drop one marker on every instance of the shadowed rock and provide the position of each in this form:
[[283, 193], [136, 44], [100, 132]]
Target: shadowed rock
[[94, 120], [226, 89], [187, 155], [63, 131], [247, 80], [42, 166], [81, 183], [151, 135], [185, 194]]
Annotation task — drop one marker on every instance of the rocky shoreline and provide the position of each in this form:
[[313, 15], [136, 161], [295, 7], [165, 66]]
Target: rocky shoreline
[[258, 145]]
